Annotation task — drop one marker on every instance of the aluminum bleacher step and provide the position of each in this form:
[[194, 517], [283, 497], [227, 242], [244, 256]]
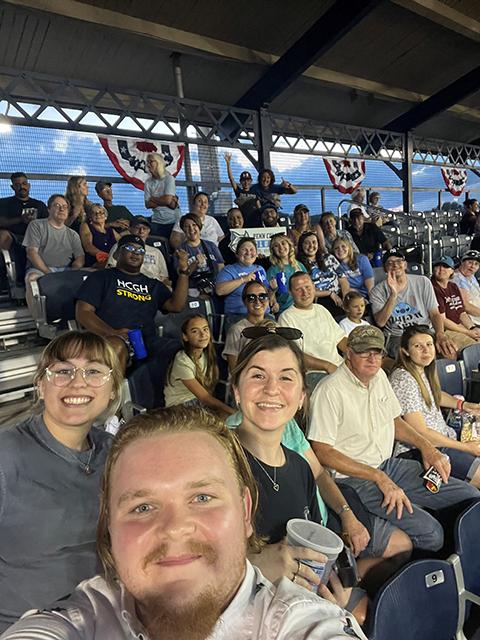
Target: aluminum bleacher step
[[17, 371], [16, 326]]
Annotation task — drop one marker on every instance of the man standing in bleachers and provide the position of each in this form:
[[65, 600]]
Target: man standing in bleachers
[[16, 212], [51, 245]]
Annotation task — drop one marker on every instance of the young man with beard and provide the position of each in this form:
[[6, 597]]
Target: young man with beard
[[114, 301], [176, 517]]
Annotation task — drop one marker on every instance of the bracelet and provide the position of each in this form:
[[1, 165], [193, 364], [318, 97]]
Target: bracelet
[[343, 509], [182, 272], [460, 404]]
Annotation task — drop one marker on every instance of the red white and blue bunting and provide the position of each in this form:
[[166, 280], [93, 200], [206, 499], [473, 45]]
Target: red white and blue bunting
[[345, 175], [455, 180], [129, 156]]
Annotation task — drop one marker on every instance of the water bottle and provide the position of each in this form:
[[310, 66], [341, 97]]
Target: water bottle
[[377, 257]]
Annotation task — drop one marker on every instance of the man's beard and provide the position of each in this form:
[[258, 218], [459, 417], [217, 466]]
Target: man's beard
[[193, 619]]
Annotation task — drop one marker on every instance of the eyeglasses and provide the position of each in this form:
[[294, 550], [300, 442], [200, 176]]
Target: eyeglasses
[[365, 355], [253, 297], [394, 263], [289, 333], [60, 207], [139, 251], [93, 376]]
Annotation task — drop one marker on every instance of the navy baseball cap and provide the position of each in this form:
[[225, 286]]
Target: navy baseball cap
[[129, 239]]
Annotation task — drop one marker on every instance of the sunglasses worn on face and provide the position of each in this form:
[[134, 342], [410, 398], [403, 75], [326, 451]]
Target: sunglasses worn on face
[[131, 249], [253, 297], [289, 333]]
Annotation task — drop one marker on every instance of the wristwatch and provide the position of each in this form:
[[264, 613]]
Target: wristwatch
[[343, 509]]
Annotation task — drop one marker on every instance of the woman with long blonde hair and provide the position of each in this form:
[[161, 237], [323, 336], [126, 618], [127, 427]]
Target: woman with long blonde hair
[[284, 265], [415, 382], [76, 195], [160, 196], [357, 268]]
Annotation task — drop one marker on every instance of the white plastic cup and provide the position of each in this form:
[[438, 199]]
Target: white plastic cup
[[305, 533]]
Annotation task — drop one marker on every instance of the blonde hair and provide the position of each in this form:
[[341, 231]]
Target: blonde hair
[[292, 261], [75, 198], [351, 260], [171, 421], [161, 167]]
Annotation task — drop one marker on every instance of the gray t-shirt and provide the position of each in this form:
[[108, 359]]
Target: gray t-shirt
[[413, 303], [56, 247], [48, 515], [157, 187]]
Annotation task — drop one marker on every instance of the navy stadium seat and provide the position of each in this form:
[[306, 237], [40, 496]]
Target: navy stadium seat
[[419, 602], [451, 376], [170, 324], [54, 296]]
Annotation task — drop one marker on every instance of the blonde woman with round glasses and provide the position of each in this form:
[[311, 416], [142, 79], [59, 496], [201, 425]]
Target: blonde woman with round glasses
[[51, 466]]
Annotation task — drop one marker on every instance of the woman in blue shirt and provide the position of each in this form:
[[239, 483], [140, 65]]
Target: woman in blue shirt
[[357, 268]]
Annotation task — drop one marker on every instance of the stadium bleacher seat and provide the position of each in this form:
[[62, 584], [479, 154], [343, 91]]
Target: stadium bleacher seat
[[146, 383], [451, 376], [15, 269], [466, 559], [471, 360], [169, 325], [419, 602], [54, 300]]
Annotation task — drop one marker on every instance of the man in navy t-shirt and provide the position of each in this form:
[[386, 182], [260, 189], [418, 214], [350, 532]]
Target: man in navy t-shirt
[[114, 301]]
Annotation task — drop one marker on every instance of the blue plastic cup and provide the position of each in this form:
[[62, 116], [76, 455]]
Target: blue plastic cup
[[282, 282], [136, 340], [259, 277]]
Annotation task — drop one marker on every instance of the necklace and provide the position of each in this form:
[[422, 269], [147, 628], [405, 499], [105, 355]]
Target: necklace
[[273, 480], [85, 466]]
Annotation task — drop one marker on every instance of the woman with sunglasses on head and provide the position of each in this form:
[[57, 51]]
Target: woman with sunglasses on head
[[51, 466], [417, 387], [255, 298], [331, 284], [269, 387]]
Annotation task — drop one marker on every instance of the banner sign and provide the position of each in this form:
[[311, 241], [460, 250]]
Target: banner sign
[[261, 235], [129, 156], [455, 180], [345, 175]]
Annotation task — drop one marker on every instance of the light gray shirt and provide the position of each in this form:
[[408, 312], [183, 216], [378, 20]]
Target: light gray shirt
[[413, 304], [156, 188], [56, 247], [259, 611], [48, 514]]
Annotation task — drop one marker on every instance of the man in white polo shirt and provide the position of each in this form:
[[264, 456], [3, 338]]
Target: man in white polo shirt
[[354, 419], [322, 336]]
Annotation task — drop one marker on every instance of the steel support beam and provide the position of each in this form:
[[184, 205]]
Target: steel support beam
[[338, 20], [440, 101], [407, 173], [264, 139]]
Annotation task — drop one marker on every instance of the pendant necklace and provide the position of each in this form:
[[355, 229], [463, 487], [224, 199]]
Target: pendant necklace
[[273, 480]]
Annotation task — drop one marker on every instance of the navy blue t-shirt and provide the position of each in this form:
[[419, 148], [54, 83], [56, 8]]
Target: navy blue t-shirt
[[13, 207], [125, 300]]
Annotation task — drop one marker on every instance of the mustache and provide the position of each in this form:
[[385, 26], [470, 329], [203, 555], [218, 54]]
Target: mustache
[[193, 547]]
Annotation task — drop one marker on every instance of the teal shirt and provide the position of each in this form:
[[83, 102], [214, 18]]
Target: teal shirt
[[284, 300], [293, 439]]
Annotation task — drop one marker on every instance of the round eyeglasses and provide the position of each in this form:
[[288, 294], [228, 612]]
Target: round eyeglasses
[[60, 376]]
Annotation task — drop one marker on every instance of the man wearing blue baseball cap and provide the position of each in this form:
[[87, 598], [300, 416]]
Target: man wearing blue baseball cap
[[459, 327]]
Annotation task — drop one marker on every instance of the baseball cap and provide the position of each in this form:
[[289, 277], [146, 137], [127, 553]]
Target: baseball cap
[[268, 205], [102, 183], [140, 220], [446, 261], [128, 239], [392, 253], [301, 207], [364, 338], [245, 175], [471, 255]]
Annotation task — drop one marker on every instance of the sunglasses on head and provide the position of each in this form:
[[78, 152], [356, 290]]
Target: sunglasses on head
[[289, 333], [253, 297]]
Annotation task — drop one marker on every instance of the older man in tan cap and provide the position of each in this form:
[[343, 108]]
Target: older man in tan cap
[[355, 419]]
